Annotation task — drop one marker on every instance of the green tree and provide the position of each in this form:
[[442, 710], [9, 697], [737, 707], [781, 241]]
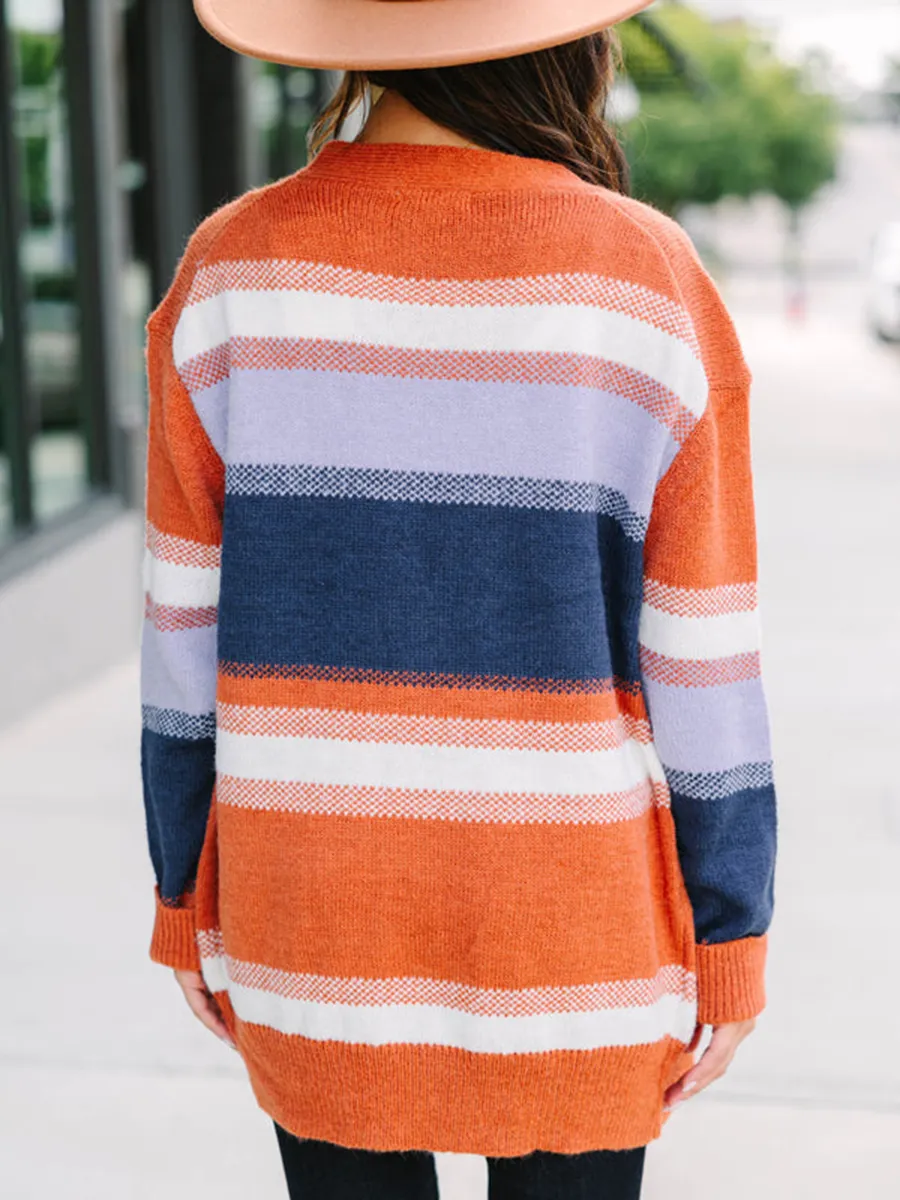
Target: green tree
[[736, 121], [801, 128], [38, 62], [38, 57]]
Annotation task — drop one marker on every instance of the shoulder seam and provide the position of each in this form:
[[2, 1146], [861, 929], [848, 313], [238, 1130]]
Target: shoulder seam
[[240, 205], [645, 228], [741, 389]]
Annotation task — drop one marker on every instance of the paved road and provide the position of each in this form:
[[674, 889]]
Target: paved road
[[837, 230]]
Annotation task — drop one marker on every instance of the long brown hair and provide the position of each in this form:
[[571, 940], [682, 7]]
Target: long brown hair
[[548, 104]]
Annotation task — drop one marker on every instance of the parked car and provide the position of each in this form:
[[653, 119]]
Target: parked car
[[884, 284]]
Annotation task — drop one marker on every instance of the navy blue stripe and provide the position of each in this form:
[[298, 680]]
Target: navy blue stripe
[[178, 777], [475, 590], [717, 785], [727, 851], [373, 483]]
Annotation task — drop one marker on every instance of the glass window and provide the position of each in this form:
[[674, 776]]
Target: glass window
[[57, 444], [6, 515], [284, 101]]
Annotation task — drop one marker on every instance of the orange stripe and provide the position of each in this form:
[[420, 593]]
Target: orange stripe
[[261, 233], [692, 673], [168, 549], [702, 530], [508, 906], [433, 805], [353, 726], [359, 992], [429, 701], [168, 619], [187, 478], [701, 602]]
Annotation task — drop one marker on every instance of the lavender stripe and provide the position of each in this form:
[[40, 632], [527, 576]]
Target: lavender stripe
[[709, 729], [530, 431], [670, 452], [178, 669], [212, 408]]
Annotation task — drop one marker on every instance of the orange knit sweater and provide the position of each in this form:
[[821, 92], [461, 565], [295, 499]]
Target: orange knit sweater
[[455, 751]]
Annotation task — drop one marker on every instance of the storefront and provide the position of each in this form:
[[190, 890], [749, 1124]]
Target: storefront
[[121, 124]]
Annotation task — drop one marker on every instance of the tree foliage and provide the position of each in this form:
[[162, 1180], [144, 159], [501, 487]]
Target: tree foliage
[[38, 57], [38, 62], [737, 122]]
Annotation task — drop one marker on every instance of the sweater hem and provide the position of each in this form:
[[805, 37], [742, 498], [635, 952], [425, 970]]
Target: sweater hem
[[401, 1097]]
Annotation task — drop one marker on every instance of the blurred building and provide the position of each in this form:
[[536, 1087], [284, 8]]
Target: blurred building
[[121, 124]]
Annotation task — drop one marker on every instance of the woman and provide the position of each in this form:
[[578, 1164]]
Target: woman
[[456, 755]]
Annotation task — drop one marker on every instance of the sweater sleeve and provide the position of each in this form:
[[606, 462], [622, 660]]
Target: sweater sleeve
[[184, 496], [700, 661]]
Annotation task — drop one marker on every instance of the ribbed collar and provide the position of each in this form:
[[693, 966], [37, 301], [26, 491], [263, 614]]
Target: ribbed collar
[[405, 165]]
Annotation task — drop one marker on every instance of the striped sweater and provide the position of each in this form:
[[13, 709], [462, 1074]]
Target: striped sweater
[[456, 756]]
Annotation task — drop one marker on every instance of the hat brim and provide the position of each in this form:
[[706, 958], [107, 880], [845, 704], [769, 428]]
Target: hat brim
[[402, 34]]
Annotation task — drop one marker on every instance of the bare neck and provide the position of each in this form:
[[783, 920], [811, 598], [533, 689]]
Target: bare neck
[[394, 119]]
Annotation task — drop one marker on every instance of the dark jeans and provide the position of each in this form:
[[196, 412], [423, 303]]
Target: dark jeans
[[322, 1171]]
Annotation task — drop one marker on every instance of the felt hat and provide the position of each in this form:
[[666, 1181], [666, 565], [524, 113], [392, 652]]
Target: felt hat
[[399, 34]]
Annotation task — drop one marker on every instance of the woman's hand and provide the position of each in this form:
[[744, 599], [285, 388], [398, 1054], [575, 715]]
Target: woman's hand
[[713, 1064], [203, 1005]]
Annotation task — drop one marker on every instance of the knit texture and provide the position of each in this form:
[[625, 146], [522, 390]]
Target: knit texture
[[456, 755]]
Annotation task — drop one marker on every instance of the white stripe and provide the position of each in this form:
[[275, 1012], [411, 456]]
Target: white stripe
[[572, 288], [178, 586], [559, 329], [424, 1024], [215, 973], [466, 768], [699, 637]]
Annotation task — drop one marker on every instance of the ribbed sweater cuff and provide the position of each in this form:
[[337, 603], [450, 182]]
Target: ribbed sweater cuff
[[731, 981], [174, 943]]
